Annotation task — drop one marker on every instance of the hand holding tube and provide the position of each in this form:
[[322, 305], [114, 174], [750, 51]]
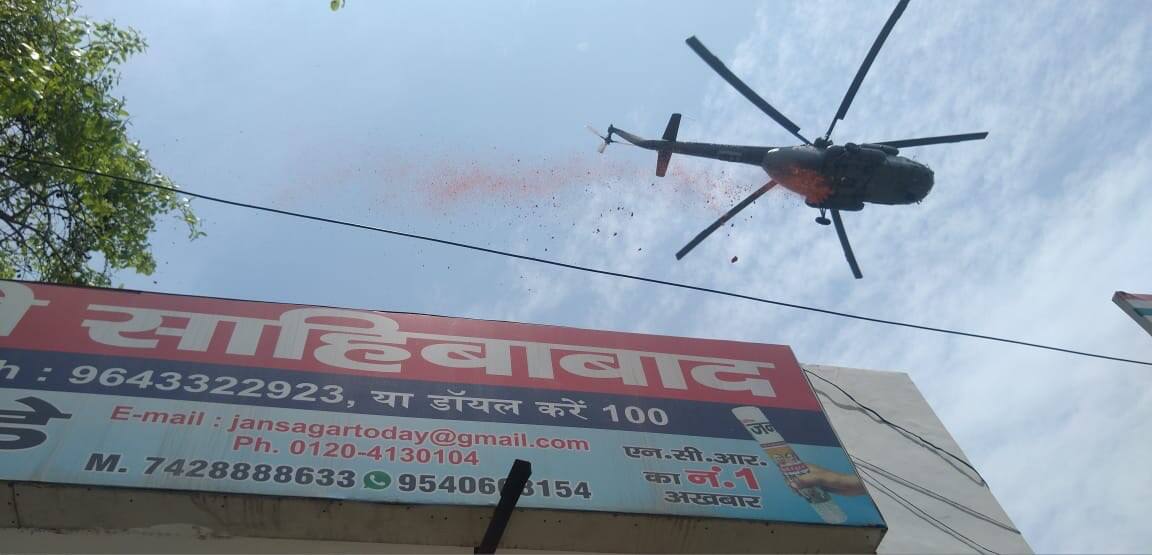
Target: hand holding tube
[[833, 482]]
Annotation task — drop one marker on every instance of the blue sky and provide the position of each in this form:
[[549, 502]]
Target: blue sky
[[464, 121]]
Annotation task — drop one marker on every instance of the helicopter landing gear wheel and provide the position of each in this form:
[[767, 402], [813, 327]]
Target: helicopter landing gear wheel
[[822, 220]]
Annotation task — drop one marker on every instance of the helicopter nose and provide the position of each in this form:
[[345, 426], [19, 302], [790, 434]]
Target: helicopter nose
[[927, 179], [920, 184]]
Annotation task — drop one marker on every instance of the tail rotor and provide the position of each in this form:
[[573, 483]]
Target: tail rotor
[[606, 138]]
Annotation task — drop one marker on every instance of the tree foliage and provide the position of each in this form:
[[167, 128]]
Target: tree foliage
[[57, 74]]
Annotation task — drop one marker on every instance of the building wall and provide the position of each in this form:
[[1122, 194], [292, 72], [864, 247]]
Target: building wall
[[938, 493]]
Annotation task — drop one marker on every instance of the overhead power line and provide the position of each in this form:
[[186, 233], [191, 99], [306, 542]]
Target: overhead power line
[[930, 493], [875, 468], [880, 418], [578, 267], [924, 515]]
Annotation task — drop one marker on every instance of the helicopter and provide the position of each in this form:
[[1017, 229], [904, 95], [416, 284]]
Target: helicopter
[[831, 178]]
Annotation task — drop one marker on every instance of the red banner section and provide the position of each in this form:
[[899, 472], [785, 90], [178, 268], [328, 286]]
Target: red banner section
[[398, 346]]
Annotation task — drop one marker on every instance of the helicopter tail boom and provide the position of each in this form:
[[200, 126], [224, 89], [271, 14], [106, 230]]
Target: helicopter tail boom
[[667, 145]]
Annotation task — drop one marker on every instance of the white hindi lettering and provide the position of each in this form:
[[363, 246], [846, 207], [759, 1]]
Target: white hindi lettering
[[623, 365], [708, 375], [504, 406], [18, 298], [196, 334], [476, 403], [390, 397], [441, 402], [493, 355], [371, 341], [628, 367], [455, 400], [377, 339], [109, 332], [556, 409]]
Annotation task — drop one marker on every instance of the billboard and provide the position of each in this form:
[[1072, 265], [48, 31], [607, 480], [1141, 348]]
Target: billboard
[[1139, 307], [145, 390]]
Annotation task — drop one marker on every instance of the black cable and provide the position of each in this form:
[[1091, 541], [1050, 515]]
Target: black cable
[[923, 514], [577, 267], [866, 465], [930, 493], [892, 424], [919, 512]]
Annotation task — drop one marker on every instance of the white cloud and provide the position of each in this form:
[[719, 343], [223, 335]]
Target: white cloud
[[1026, 235]]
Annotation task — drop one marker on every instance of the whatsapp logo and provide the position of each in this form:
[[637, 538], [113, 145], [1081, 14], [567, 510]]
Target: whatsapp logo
[[377, 479]]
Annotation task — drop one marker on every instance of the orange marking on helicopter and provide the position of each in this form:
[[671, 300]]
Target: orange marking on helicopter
[[810, 184]]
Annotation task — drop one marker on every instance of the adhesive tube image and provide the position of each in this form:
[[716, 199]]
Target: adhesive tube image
[[789, 463]]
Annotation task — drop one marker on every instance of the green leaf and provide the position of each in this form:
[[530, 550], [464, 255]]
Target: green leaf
[[60, 225]]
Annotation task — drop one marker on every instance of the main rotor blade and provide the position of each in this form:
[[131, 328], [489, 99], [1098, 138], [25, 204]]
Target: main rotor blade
[[723, 219], [855, 86], [744, 89], [935, 140], [844, 243]]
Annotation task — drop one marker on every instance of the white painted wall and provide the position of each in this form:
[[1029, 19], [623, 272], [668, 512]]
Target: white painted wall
[[943, 489]]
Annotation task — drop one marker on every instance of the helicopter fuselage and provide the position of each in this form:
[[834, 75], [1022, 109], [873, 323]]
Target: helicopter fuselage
[[845, 177], [840, 177], [830, 177]]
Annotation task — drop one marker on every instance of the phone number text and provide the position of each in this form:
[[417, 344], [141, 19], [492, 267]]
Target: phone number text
[[227, 470], [213, 385], [469, 485]]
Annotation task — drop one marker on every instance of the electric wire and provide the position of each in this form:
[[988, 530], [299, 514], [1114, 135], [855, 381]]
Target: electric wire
[[923, 514], [920, 513], [869, 470], [578, 267], [867, 467], [930, 493], [880, 418]]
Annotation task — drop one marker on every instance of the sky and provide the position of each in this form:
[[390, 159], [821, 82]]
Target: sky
[[464, 121]]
